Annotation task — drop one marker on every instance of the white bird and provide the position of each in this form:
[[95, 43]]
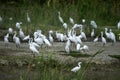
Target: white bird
[[65, 25], [67, 46], [28, 18], [85, 48], [71, 20], [51, 38], [92, 33], [6, 41], [118, 25], [95, 40], [21, 33], [26, 37], [18, 25], [107, 33], [83, 21], [33, 48], [47, 42], [10, 30], [75, 69], [39, 41], [60, 18], [112, 37], [16, 40], [78, 47], [33, 43], [103, 39], [93, 23], [83, 34]]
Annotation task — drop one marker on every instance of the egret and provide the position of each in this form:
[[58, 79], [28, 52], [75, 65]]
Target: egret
[[93, 23], [47, 42], [85, 48], [18, 25], [68, 43], [10, 30], [6, 41], [95, 40], [71, 20], [112, 37], [16, 40], [28, 18], [118, 25], [39, 40], [33, 49], [92, 33], [26, 37], [107, 33], [65, 25], [78, 47], [103, 39], [21, 33], [33, 43], [50, 37], [75, 69], [83, 34], [83, 21], [60, 18]]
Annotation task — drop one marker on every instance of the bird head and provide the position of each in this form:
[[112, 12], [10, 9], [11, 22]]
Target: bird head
[[79, 63]]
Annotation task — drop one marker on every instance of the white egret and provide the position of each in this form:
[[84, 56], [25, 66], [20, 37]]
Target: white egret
[[103, 39], [16, 40], [65, 25], [68, 43], [83, 34], [47, 42], [26, 37], [10, 30], [33, 49], [95, 40], [28, 18], [33, 43], [92, 33], [107, 33], [78, 47], [21, 33], [50, 37], [60, 18], [83, 21], [93, 23], [112, 37], [71, 20], [39, 40], [6, 41], [118, 25], [75, 69], [18, 25], [84, 48]]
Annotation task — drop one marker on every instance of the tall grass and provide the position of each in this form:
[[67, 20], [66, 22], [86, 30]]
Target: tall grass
[[49, 68], [46, 17]]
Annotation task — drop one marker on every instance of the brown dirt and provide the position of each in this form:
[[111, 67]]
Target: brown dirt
[[58, 48]]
